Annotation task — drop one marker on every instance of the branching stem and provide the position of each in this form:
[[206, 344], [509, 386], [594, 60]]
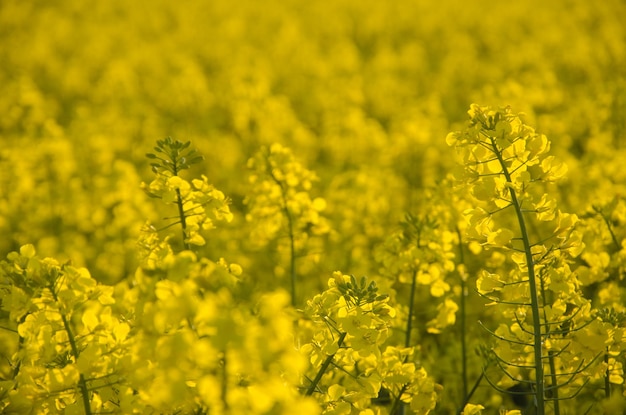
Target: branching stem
[[471, 393], [463, 318], [409, 323], [607, 379], [607, 221], [291, 233], [396, 403], [329, 359], [183, 218], [532, 283], [224, 385], [82, 383], [181, 208]]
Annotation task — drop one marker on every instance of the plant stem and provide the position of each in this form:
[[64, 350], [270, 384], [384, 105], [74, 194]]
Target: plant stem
[[324, 367], [463, 339], [181, 209], [471, 393], [183, 219], [409, 323], [554, 386], [532, 283], [292, 251], [607, 380], [20, 344], [82, 383], [395, 406], [224, 390], [551, 358], [463, 318], [290, 230], [398, 405], [608, 225]]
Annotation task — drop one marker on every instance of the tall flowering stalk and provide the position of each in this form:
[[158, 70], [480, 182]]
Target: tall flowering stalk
[[279, 203], [508, 171], [421, 255], [209, 348], [71, 346], [425, 261], [197, 202], [350, 361]]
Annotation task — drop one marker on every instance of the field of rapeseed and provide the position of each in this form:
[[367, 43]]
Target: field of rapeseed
[[280, 207]]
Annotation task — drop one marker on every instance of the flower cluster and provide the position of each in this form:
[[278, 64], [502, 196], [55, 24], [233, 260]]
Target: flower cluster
[[350, 367], [507, 169], [199, 204], [281, 210], [279, 201], [202, 204], [72, 350], [422, 253], [364, 101], [239, 354], [503, 159]]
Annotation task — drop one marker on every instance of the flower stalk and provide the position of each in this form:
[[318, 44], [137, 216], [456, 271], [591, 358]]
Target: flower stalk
[[505, 161], [532, 284]]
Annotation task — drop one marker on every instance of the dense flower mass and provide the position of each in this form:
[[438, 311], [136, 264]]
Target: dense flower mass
[[282, 207]]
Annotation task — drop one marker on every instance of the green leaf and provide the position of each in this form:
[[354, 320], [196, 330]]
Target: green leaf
[[195, 160]]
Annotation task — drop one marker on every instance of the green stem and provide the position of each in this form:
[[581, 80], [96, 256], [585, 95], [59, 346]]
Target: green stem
[[324, 367], [292, 259], [20, 344], [551, 357], [224, 390], [554, 386], [82, 382], [181, 209], [409, 323], [183, 218], [471, 393], [532, 283], [607, 379], [608, 225], [463, 318], [396, 403], [290, 230]]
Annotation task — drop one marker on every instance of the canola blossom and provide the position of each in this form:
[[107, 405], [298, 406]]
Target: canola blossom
[[322, 208]]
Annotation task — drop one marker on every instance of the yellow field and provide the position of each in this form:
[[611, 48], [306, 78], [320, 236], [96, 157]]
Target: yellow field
[[335, 142]]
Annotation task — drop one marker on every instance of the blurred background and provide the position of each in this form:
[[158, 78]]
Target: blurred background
[[363, 92]]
